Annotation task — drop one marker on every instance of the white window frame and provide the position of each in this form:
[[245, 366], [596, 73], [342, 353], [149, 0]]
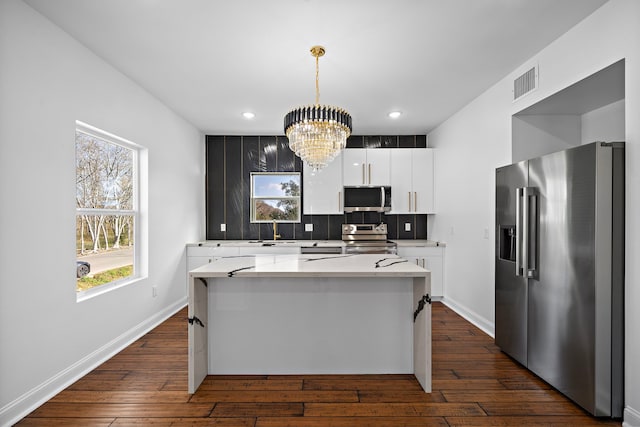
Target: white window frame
[[138, 210], [297, 198]]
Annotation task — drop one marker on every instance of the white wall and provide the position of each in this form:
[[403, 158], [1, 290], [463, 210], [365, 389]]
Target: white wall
[[469, 146], [476, 140], [603, 124], [537, 135], [47, 81]]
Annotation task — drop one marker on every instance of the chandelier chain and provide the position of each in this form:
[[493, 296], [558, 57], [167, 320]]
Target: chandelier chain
[[317, 81]]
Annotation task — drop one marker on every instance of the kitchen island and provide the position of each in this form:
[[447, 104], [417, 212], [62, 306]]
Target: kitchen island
[[309, 314]]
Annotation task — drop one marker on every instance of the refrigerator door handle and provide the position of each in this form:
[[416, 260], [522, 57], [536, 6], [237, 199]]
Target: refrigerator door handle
[[519, 236], [531, 241], [525, 232]]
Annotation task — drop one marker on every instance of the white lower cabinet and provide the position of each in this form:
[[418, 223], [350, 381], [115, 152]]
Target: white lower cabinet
[[198, 261], [270, 250], [197, 256], [431, 258]]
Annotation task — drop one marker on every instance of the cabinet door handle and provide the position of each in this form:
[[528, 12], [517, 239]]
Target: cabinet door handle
[[339, 201], [369, 173], [363, 173], [409, 201], [415, 201]]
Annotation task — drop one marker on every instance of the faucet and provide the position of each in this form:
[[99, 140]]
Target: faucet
[[275, 230]]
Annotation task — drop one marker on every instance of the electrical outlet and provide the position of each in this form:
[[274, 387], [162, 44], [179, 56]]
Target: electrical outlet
[[486, 233], [308, 227], [407, 226], [223, 227]]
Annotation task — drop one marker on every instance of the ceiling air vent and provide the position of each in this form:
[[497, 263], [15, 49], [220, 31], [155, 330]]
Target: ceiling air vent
[[526, 83]]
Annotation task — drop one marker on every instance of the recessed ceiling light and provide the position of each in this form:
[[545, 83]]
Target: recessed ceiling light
[[395, 114], [248, 115]]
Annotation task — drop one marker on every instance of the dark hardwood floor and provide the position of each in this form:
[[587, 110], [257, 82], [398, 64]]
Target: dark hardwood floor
[[474, 384]]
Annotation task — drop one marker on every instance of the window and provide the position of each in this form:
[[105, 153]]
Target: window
[[275, 196], [107, 211]]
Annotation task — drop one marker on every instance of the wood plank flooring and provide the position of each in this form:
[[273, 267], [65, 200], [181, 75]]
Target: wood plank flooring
[[474, 384]]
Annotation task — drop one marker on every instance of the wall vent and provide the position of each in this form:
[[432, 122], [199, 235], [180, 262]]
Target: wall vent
[[525, 83]]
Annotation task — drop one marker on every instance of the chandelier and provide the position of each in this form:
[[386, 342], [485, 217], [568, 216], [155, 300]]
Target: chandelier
[[317, 133]]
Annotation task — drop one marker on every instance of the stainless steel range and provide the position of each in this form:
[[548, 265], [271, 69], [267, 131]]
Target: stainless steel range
[[367, 239]]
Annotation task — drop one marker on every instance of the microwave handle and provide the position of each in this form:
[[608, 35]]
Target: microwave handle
[[382, 198]]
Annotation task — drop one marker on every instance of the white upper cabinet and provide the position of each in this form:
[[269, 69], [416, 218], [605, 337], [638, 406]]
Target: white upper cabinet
[[412, 181], [378, 166], [322, 190], [422, 180], [362, 166], [401, 181], [409, 172]]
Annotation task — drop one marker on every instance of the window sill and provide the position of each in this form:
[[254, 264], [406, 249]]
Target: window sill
[[108, 287]]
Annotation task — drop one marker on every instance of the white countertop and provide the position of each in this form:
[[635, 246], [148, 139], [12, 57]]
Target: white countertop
[[284, 242], [419, 243], [367, 265], [300, 243]]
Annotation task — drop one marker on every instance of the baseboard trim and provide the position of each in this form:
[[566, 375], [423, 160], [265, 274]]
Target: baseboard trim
[[631, 417], [14, 411], [470, 315]]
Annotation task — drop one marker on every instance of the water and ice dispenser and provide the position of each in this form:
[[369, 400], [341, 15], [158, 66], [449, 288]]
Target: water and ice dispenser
[[507, 242]]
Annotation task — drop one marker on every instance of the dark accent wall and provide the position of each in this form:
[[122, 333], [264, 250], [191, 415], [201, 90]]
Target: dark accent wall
[[230, 161]]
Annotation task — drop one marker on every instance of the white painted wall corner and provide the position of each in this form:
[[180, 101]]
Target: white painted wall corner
[[485, 325], [631, 417]]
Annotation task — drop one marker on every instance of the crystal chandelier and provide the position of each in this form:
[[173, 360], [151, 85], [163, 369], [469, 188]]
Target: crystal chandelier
[[317, 133]]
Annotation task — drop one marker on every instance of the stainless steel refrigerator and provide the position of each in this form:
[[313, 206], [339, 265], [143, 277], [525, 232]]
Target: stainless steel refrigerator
[[559, 273]]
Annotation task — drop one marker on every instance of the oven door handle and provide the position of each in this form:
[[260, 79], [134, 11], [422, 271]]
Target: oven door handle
[[382, 198]]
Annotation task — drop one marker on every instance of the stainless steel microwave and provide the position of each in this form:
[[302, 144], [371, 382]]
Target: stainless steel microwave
[[371, 199]]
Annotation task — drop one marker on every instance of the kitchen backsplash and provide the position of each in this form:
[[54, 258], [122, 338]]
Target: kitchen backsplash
[[231, 159]]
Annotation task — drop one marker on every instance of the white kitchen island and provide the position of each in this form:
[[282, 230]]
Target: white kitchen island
[[309, 314]]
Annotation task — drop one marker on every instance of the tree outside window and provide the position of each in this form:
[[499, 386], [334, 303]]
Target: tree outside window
[[106, 208], [275, 196]]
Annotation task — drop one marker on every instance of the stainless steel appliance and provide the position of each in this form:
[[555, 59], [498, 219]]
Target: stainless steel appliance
[[371, 199], [367, 239], [559, 271]]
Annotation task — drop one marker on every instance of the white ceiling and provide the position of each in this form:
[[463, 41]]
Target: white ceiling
[[211, 60]]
